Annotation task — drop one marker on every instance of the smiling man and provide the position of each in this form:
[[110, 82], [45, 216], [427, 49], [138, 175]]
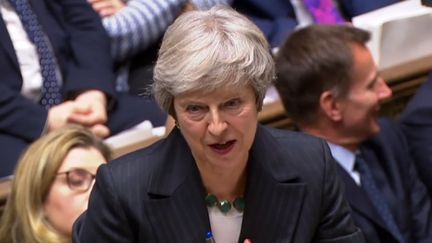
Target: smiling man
[[330, 86]]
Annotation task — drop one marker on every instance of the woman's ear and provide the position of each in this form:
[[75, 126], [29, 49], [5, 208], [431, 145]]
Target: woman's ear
[[330, 106], [169, 124]]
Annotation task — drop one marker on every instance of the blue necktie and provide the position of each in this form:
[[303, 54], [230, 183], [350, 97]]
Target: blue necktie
[[50, 93], [368, 184]]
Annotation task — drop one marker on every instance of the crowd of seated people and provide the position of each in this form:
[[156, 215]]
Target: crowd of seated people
[[102, 75]]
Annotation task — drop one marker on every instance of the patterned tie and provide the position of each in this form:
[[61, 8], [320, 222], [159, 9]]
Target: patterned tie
[[368, 184], [324, 11], [50, 89]]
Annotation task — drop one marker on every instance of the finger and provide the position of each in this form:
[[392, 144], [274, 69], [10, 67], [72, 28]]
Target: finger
[[100, 131], [99, 6], [89, 119], [106, 12], [81, 107]]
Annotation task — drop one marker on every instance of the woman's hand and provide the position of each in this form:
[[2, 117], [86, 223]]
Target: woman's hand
[[107, 8]]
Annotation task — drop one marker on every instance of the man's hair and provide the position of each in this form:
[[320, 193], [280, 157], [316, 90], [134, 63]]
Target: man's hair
[[312, 60]]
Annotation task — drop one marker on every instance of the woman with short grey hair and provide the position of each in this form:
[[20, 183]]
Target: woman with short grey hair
[[204, 51], [218, 176]]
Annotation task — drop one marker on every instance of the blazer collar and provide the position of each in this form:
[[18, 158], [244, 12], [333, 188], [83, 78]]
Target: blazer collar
[[274, 194], [176, 208], [6, 42]]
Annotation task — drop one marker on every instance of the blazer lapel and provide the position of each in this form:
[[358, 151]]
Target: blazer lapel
[[6, 43], [358, 199], [176, 208], [273, 195]]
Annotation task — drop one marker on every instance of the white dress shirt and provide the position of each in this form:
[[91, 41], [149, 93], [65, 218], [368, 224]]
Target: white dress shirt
[[346, 159], [25, 51]]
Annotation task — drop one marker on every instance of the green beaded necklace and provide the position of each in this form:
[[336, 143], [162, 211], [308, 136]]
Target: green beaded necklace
[[225, 205]]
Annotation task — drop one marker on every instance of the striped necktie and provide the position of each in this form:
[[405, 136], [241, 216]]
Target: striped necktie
[[324, 11], [376, 197], [50, 93]]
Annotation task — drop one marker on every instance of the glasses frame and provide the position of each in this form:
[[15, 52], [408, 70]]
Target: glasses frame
[[68, 180]]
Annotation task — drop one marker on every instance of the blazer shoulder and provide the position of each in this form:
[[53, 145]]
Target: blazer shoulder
[[286, 151]]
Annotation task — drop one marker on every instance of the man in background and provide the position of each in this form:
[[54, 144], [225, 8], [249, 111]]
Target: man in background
[[331, 88], [55, 69]]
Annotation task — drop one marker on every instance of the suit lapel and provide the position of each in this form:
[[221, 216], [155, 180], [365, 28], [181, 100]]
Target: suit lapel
[[176, 208], [273, 197], [358, 199], [6, 43]]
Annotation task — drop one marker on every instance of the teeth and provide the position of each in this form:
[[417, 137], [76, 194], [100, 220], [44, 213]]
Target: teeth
[[221, 145]]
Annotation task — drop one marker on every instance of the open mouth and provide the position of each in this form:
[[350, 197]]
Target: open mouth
[[223, 148]]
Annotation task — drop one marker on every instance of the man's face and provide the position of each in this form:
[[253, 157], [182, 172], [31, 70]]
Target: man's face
[[360, 108]]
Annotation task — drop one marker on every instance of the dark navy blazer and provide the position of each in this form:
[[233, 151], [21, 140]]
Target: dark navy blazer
[[156, 195], [391, 164], [417, 123]]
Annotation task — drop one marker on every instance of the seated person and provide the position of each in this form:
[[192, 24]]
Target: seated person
[[135, 28], [417, 125], [51, 186], [218, 174], [278, 18], [56, 69], [330, 86]]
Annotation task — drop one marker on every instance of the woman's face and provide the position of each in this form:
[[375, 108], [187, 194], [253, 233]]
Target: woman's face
[[219, 126], [68, 196]]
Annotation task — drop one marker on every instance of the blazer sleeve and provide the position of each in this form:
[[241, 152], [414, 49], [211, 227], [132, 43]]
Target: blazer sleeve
[[105, 219], [417, 125], [20, 117], [419, 199], [336, 224]]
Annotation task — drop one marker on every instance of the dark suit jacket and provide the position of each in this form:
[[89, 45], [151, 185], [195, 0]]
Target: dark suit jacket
[[277, 19], [393, 169], [81, 46], [417, 124], [156, 195]]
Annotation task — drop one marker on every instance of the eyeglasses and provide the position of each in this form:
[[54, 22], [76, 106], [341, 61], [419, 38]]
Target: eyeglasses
[[79, 179]]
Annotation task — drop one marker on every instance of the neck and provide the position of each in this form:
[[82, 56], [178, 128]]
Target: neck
[[225, 184], [332, 133]]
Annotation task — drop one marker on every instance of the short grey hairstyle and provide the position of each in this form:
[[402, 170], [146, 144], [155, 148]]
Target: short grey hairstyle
[[207, 50]]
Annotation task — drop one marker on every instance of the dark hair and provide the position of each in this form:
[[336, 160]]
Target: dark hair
[[312, 60]]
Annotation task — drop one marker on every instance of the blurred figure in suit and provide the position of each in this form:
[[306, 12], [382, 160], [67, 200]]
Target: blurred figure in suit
[[56, 69], [417, 125], [278, 18]]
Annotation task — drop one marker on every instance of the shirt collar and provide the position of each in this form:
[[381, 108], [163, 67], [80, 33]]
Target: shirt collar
[[343, 156]]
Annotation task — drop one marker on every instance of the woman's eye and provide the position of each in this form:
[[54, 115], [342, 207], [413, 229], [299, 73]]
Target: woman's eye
[[194, 108], [232, 104], [77, 180]]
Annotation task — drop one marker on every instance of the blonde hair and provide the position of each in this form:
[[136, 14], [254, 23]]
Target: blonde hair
[[206, 50], [23, 218]]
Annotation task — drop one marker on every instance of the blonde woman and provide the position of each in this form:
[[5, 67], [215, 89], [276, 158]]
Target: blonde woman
[[52, 183]]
